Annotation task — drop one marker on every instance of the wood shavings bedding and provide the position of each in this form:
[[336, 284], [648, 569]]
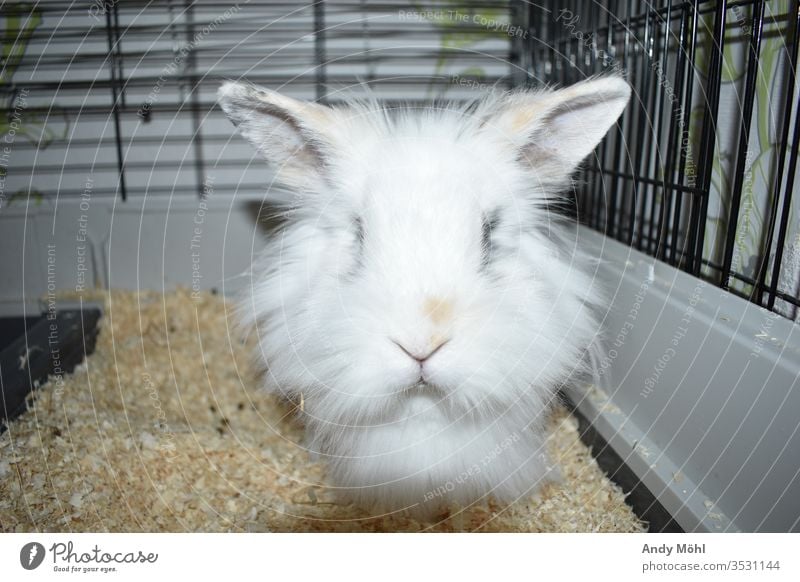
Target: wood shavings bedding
[[164, 428]]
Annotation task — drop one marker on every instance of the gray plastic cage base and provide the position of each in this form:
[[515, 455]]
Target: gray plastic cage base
[[710, 424], [699, 395]]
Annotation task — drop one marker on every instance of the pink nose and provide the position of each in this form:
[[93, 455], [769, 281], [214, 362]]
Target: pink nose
[[418, 355]]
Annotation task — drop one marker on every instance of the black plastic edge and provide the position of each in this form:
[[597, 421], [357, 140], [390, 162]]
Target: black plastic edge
[[52, 347], [644, 504]]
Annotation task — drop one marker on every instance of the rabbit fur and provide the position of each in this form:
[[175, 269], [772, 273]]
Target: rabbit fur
[[422, 298]]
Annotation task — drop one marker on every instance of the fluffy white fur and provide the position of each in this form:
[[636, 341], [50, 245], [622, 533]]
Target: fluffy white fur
[[425, 228]]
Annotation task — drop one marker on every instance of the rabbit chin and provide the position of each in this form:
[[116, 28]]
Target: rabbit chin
[[430, 458]]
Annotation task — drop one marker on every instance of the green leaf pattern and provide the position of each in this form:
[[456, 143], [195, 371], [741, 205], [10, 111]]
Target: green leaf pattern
[[761, 163]]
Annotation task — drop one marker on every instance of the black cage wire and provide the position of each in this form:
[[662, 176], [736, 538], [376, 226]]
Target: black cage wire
[[120, 94], [651, 184]]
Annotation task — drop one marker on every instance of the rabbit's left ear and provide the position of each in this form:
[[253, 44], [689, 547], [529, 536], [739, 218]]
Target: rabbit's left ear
[[556, 130], [293, 136]]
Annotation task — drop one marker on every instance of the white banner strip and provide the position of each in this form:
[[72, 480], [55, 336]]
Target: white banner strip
[[380, 557]]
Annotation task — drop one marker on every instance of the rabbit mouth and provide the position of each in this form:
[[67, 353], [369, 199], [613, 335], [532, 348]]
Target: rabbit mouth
[[424, 388]]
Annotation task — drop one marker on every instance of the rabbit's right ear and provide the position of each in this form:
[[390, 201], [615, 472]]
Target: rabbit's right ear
[[554, 131], [290, 134]]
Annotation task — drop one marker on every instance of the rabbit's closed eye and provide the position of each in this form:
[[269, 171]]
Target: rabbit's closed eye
[[490, 223], [357, 231]]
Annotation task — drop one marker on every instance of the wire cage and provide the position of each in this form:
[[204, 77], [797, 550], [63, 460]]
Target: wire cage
[[145, 76], [113, 143], [702, 171], [699, 174]]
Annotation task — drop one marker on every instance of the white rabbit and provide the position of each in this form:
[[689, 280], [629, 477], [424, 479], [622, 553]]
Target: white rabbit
[[421, 299]]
